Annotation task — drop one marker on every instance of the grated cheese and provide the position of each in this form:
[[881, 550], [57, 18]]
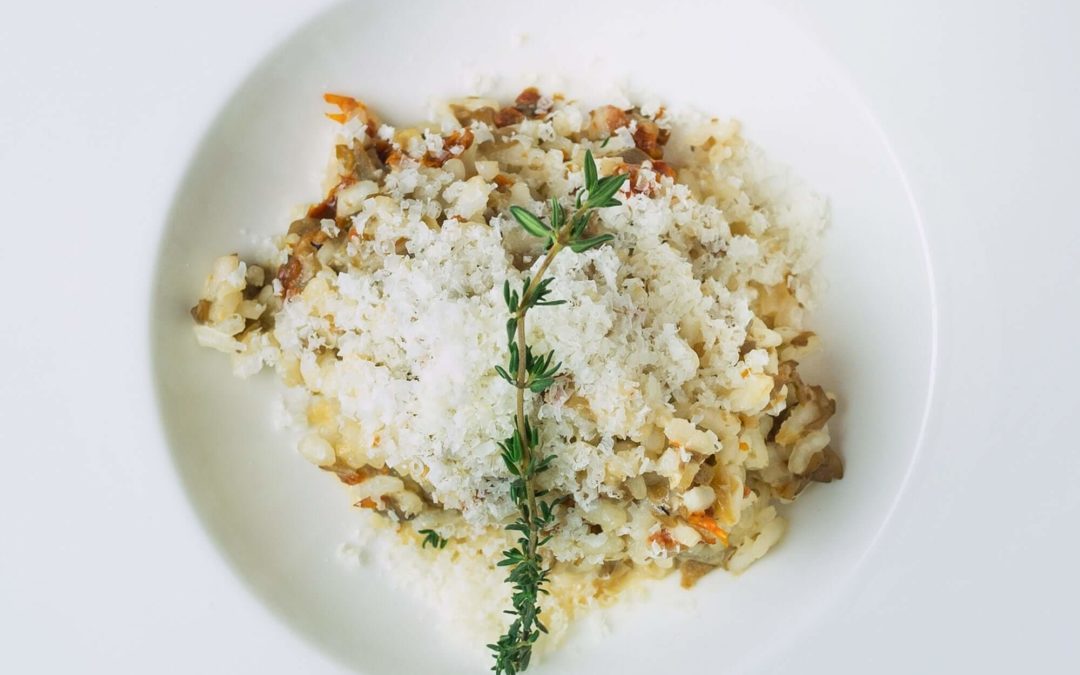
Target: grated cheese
[[387, 319]]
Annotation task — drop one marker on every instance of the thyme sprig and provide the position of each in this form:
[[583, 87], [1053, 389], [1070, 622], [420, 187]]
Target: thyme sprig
[[529, 371]]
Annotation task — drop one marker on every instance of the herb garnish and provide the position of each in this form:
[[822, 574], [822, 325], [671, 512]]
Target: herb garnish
[[535, 373], [432, 537]]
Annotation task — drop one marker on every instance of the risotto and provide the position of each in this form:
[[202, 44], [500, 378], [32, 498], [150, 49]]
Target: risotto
[[679, 422]]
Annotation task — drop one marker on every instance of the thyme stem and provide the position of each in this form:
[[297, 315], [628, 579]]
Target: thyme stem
[[522, 385]]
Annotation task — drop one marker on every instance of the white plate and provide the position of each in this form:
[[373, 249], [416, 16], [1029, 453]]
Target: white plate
[[153, 146], [280, 521]]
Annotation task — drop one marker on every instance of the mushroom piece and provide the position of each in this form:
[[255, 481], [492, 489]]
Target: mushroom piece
[[302, 264], [825, 467], [526, 106], [359, 162], [708, 554], [465, 116], [691, 571], [634, 155], [650, 137]]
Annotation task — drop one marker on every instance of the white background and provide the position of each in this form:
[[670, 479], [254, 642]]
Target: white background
[[103, 567]]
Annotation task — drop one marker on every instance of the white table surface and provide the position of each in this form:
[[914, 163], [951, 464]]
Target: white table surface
[[103, 566]]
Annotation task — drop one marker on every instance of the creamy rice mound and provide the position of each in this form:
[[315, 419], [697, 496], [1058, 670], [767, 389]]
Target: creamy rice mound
[[680, 421]]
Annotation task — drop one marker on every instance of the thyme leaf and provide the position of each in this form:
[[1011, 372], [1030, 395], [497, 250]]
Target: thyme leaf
[[432, 537]]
